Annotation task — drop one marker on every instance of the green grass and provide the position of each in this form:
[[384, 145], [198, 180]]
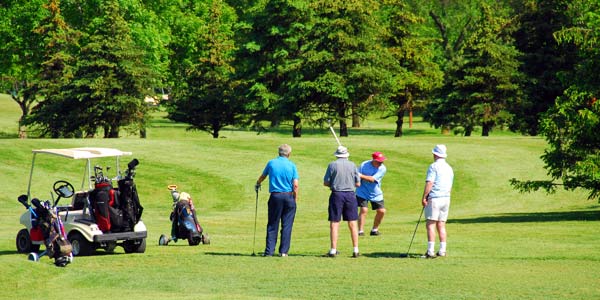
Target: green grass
[[502, 244]]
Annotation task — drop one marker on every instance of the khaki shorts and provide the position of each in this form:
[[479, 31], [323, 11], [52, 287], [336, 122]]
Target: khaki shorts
[[437, 209]]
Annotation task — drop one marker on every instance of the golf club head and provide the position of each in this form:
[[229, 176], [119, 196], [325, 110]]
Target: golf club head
[[253, 254], [404, 255], [133, 163], [23, 200]]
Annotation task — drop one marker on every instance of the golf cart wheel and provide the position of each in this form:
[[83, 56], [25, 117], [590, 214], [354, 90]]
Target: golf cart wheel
[[135, 246], [24, 244], [205, 239], [163, 240], [80, 246], [33, 257]]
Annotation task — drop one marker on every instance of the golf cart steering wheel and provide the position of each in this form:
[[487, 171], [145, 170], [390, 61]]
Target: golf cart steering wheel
[[63, 189]]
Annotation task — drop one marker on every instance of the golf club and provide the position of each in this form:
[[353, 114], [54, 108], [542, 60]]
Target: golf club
[[255, 214], [413, 236], [334, 135]]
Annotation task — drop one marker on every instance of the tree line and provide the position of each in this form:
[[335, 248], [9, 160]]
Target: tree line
[[81, 68]]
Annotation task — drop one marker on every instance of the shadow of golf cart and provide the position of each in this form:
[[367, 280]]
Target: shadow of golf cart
[[100, 215]]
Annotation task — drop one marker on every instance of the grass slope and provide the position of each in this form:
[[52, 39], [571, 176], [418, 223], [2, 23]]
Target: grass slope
[[502, 244]]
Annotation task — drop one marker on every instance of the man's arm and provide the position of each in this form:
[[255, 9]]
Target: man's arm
[[426, 190]]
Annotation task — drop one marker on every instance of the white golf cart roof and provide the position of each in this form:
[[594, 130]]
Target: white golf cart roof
[[86, 153], [83, 153]]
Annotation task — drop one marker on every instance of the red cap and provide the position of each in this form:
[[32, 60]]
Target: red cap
[[378, 156]]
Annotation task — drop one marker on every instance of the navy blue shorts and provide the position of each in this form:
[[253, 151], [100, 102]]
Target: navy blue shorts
[[342, 204]]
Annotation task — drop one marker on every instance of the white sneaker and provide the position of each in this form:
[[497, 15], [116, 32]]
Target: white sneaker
[[441, 253]]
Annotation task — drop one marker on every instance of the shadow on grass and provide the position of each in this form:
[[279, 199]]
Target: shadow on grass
[[584, 215]]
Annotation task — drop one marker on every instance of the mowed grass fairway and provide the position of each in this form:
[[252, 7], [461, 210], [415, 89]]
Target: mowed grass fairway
[[501, 244]]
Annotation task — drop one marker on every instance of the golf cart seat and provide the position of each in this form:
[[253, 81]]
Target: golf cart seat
[[79, 200]]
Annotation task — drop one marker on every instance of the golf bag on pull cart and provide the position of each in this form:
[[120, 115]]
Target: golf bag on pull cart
[[184, 223], [46, 226], [116, 210]]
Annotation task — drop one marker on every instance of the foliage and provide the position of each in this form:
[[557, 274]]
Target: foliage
[[481, 78], [206, 95], [20, 53], [571, 126], [546, 64], [345, 64]]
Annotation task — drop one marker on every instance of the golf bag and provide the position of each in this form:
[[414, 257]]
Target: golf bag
[[116, 210], [184, 222], [45, 220]]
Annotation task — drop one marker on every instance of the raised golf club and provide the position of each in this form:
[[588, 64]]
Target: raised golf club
[[413, 236], [334, 135]]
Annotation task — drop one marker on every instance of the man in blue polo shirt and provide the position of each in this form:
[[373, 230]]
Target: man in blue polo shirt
[[371, 173], [283, 186]]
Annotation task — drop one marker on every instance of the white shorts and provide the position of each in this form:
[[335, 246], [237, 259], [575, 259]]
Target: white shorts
[[437, 209]]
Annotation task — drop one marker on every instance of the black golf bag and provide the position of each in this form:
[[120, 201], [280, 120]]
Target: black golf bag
[[46, 220], [116, 210]]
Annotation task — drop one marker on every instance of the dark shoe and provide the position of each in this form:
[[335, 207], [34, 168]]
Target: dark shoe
[[428, 255], [355, 255], [329, 254], [360, 233], [441, 254], [266, 254], [376, 232]]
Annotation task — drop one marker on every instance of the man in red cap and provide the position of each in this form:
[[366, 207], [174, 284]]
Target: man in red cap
[[371, 173]]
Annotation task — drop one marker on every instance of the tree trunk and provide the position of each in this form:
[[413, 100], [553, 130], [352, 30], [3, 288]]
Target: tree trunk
[[343, 128], [297, 129], [216, 126], [485, 129], [114, 132], [399, 122], [143, 133], [355, 116], [468, 130]]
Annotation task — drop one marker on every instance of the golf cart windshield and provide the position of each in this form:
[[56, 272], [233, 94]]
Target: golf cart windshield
[[77, 154]]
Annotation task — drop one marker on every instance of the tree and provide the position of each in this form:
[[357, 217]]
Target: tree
[[270, 56], [545, 62], [59, 42], [417, 74], [482, 77], [345, 63], [206, 95], [21, 54], [571, 126], [110, 77]]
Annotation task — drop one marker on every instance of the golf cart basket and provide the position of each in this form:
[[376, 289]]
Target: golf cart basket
[[184, 221]]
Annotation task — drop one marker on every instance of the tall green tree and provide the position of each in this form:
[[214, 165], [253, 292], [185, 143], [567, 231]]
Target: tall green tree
[[206, 95], [21, 53], [345, 63], [59, 44], [545, 63], [571, 126], [110, 77], [482, 78], [417, 74], [270, 56]]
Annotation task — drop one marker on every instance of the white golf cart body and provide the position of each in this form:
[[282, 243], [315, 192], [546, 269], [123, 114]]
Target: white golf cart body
[[77, 216]]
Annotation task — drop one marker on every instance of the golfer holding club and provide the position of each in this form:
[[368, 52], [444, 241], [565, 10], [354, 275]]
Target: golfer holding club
[[371, 173], [283, 186], [436, 200], [342, 178]]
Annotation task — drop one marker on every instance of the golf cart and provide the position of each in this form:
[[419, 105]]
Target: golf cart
[[99, 215]]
